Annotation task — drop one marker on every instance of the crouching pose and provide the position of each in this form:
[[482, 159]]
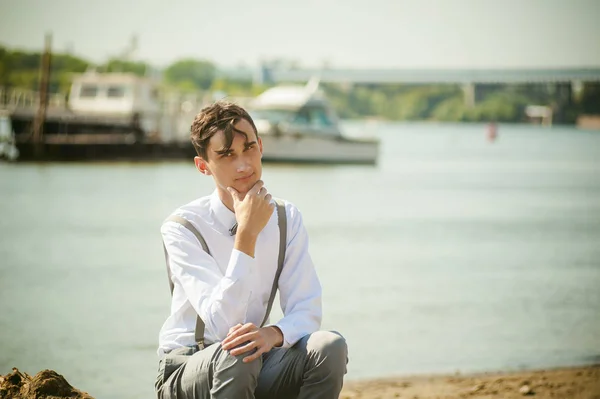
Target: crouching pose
[[227, 254]]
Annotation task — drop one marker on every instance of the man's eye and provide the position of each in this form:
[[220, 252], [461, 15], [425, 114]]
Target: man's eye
[[226, 155], [251, 146]]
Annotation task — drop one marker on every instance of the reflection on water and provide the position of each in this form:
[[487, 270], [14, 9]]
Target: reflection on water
[[453, 253]]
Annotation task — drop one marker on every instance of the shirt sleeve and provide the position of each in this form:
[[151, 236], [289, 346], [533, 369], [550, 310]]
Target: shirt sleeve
[[299, 286], [220, 300]]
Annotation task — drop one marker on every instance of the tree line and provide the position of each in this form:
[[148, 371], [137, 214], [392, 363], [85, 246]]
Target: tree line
[[505, 103]]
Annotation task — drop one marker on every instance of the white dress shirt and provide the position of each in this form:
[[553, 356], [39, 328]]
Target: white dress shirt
[[229, 287]]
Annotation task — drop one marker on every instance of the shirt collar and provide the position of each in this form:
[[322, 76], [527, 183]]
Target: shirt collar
[[224, 216]]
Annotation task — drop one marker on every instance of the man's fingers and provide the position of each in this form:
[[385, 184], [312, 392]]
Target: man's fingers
[[248, 327], [243, 349], [256, 187], [230, 337], [262, 193], [240, 339], [234, 328], [234, 193], [241, 330], [255, 355], [255, 339]]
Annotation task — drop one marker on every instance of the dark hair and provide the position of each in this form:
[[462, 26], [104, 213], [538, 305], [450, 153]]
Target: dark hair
[[221, 115]]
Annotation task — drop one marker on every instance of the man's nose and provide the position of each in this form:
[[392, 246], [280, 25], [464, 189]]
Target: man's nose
[[242, 164]]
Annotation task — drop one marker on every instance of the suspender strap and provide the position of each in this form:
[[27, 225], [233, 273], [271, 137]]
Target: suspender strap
[[185, 223], [199, 331], [282, 223]]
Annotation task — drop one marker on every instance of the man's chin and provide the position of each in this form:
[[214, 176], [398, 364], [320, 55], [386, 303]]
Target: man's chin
[[242, 194], [246, 186], [243, 191]]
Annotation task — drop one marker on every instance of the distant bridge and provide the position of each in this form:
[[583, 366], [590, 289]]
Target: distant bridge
[[422, 76], [472, 81]]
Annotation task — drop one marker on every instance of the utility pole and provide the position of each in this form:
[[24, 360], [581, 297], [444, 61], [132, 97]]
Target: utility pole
[[40, 117]]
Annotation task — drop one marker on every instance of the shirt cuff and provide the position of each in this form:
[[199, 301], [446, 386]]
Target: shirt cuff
[[282, 334], [285, 343], [240, 266]]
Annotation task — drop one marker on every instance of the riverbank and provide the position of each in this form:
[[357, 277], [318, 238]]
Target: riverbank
[[571, 383]]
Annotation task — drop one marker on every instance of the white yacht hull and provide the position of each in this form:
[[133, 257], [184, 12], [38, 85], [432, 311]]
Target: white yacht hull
[[315, 149]]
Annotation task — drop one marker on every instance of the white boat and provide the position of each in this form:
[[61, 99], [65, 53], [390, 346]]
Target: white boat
[[121, 116], [298, 124]]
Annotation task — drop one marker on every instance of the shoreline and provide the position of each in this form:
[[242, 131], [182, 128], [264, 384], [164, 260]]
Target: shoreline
[[579, 382]]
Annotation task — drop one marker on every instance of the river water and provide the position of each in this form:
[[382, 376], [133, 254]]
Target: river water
[[452, 254]]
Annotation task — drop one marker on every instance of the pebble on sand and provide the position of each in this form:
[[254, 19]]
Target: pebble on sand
[[526, 390]]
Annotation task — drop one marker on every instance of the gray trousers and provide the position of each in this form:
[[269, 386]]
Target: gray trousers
[[313, 368]]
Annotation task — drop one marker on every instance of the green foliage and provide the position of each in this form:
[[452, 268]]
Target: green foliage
[[191, 74], [236, 87], [67, 63], [450, 109], [20, 69], [395, 101], [114, 65], [504, 103], [492, 109]]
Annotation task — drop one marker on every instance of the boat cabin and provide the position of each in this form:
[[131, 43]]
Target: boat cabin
[[295, 110], [113, 93]]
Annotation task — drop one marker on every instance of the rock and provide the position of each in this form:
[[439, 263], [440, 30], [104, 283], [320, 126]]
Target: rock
[[526, 390], [477, 388], [45, 384]]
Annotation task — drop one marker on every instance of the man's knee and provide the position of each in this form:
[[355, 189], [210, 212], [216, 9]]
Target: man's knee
[[330, 348], [233, 368]]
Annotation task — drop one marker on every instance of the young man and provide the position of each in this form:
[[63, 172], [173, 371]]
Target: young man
[[228, 283]]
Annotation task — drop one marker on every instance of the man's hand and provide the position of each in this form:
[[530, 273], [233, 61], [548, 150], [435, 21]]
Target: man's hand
[[252, 214], [254, 210], [252, 337]]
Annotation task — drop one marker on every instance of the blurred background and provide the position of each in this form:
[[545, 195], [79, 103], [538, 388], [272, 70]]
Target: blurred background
[[445, 156]]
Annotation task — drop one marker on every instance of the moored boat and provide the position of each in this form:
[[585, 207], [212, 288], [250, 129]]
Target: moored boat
[[298, 124]]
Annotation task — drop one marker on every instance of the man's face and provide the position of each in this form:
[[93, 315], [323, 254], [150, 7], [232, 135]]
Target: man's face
[[240, 167]]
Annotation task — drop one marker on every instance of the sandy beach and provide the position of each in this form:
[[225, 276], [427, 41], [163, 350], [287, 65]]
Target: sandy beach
[[567, 383]]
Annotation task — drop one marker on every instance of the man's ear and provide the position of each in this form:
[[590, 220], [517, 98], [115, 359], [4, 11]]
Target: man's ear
[[202, 166], [260, 147]]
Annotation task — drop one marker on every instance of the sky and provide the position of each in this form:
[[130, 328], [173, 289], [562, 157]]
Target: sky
[[342, 34]]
